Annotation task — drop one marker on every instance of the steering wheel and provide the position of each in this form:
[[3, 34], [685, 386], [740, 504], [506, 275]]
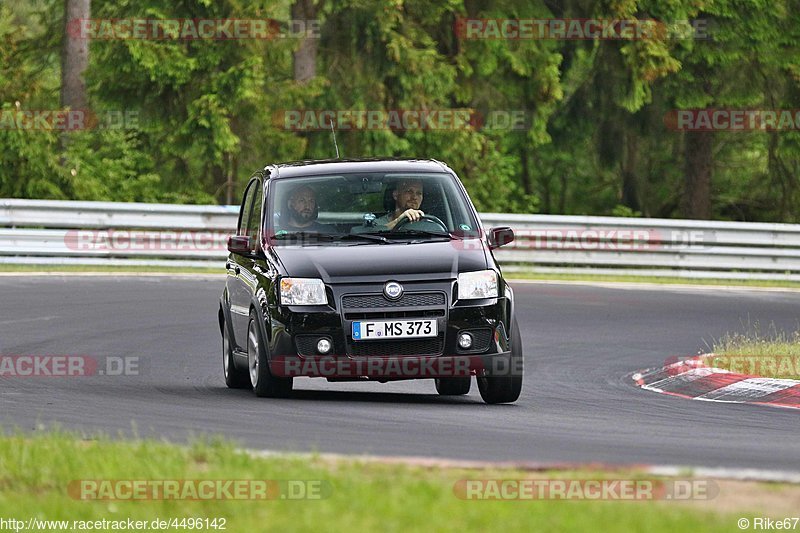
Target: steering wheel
[[429, 218]]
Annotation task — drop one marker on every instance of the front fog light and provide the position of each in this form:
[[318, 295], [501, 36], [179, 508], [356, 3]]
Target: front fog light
[[465, 341], [324, 346]]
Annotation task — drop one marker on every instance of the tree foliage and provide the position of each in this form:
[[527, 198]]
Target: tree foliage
[[596, 137]]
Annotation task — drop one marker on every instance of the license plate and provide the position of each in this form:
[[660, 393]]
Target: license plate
[[394, 329]]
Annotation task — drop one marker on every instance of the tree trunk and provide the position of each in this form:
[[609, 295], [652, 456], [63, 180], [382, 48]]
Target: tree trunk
[[547, 196], [74, 57], [232, 171], [305, 57], [526, 171], [630, 185], [698, 159]]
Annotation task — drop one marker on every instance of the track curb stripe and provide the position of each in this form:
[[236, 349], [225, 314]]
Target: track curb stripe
[[693, 379], [786, 398]]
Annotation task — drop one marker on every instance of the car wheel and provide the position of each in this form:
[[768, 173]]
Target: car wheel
[[263, 382], [505, 389], [452, 386], [234, 378]]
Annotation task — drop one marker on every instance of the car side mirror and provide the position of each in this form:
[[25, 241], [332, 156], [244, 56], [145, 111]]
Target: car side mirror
[[239, 244], [500, 236]]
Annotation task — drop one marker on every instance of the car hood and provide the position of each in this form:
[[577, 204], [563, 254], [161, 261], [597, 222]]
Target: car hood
[[379, 262]]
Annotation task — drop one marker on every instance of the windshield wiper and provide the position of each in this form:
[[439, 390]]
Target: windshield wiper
[[292, 235], [364, 237], [421, 233], [383, 237], [331, 237]]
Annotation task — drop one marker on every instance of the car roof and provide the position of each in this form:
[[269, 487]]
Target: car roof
[[339, 166]]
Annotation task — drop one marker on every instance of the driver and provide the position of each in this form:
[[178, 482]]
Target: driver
[[302, 210], [407, 199]]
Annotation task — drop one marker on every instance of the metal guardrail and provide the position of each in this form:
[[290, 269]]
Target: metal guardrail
[[66, 232], [101, 215]]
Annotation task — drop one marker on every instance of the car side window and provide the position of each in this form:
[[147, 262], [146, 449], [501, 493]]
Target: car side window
[[254, 220], [247, 205]]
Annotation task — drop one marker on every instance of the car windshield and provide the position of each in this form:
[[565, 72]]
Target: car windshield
[[369, 208]]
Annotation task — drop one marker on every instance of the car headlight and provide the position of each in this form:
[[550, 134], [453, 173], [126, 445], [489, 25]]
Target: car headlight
[[481, 284], [303, 291]]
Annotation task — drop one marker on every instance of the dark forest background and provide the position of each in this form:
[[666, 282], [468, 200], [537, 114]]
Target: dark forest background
[[595, 141]]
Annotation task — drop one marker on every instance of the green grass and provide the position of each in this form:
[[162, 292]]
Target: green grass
[[112, 268], [35, 471], [770, 354], [533, 275]]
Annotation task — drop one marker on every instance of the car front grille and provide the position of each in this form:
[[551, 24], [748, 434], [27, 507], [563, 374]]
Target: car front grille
[[430, 304], [375, 301], [430, 346], [416, 313]]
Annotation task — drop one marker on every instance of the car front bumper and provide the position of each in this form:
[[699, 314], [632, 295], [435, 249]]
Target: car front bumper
[[296, 331]]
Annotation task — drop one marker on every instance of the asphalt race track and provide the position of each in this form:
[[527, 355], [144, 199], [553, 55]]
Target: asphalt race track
[[577, 405]]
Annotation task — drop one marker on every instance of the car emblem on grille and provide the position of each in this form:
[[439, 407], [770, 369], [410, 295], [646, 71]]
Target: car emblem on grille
[[393, 290]]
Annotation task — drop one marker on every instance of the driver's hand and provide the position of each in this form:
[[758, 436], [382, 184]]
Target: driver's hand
[[411, 214]]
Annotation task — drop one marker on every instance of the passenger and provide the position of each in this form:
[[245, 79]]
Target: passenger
[[301, 210]]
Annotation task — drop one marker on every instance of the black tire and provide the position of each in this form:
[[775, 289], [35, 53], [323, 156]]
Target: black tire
[[506, 388], [234, 378], [452, 386], [264, 384]]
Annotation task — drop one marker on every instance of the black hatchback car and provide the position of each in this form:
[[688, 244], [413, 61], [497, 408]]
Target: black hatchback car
[[367, 270]]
